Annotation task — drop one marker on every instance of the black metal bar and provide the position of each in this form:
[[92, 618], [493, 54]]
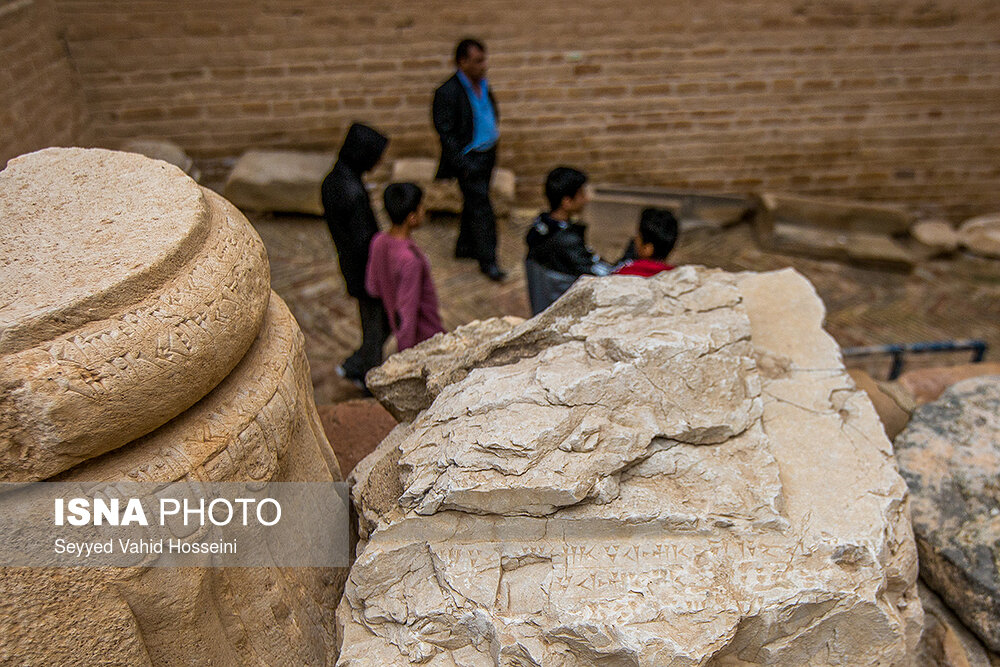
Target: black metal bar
[[897, 350]]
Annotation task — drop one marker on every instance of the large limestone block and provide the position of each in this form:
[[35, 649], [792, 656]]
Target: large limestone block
[[857, 247], [444, 195], [981, 236], [949, 455], [259, 424], [838, 229], [127, 293], [834, 214], [278, 180], [652, 472]]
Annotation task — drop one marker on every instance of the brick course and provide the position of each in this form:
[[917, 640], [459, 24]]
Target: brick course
[[856, 98], [41, 104]]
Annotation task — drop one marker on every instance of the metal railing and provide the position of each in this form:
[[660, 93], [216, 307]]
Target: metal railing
[[978, 348]]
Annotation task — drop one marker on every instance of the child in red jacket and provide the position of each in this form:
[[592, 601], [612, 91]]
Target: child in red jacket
[[656, 238], [399, 274]]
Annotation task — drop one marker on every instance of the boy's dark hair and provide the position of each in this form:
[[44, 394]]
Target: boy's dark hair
[[401, 199], [466, 45], [659, 227], [563, 182]]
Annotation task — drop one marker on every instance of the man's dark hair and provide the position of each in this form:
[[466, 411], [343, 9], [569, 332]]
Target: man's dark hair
[[401, 199], [563, 182], [659, 227], [466, 45]]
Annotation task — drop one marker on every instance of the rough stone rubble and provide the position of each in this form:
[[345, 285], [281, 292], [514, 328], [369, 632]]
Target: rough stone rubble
[[671, 471]]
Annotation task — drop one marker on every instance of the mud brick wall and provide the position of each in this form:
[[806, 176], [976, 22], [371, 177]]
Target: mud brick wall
[[40, 102], [875, 99]]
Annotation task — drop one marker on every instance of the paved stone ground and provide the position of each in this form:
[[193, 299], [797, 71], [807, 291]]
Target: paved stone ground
[[944, 299]]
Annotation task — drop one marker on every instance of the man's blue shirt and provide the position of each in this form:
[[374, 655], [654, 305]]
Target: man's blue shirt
[[484, 121]]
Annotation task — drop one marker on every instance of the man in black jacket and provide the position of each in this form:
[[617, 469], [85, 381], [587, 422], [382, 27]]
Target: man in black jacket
[[466, 119], [352, 223]]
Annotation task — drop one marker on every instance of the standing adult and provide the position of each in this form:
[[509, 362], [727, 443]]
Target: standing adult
[[466, 119], [352, 223]]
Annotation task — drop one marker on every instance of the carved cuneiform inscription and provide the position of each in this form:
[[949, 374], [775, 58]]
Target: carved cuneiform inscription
[[241, 430], [533, 589], [254, 426], [89, 234], [111, 381]]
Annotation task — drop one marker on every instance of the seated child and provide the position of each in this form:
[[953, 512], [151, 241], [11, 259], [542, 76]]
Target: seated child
[[656, 238], [399, 274]]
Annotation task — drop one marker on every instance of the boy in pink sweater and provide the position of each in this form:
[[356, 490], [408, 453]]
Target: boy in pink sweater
[[399, 274]]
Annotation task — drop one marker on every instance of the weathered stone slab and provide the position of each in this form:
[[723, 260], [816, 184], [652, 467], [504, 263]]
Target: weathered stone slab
[[127, 293], [845, 246], [981, 235], [838, 229], [949, 455], [833, 214], [279, 180], [443, 195], [161, 149], [937, 236], [652, 472], [259, 424]]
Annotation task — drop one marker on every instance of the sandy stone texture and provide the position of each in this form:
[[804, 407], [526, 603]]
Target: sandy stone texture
[[260, 423], [894, 418], [949, 455], [127, 293], [674, 470], [838, 229]]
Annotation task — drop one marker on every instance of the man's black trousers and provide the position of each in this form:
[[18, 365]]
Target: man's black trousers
[[477, 236]]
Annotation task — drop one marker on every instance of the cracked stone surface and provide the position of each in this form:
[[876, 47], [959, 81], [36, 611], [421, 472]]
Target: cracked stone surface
[[666, 471], [127, 292], [949, 455], [408, 381]]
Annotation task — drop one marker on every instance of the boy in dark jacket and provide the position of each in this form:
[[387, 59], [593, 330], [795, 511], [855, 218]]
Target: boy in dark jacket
[[557, 247], [352, 223]]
